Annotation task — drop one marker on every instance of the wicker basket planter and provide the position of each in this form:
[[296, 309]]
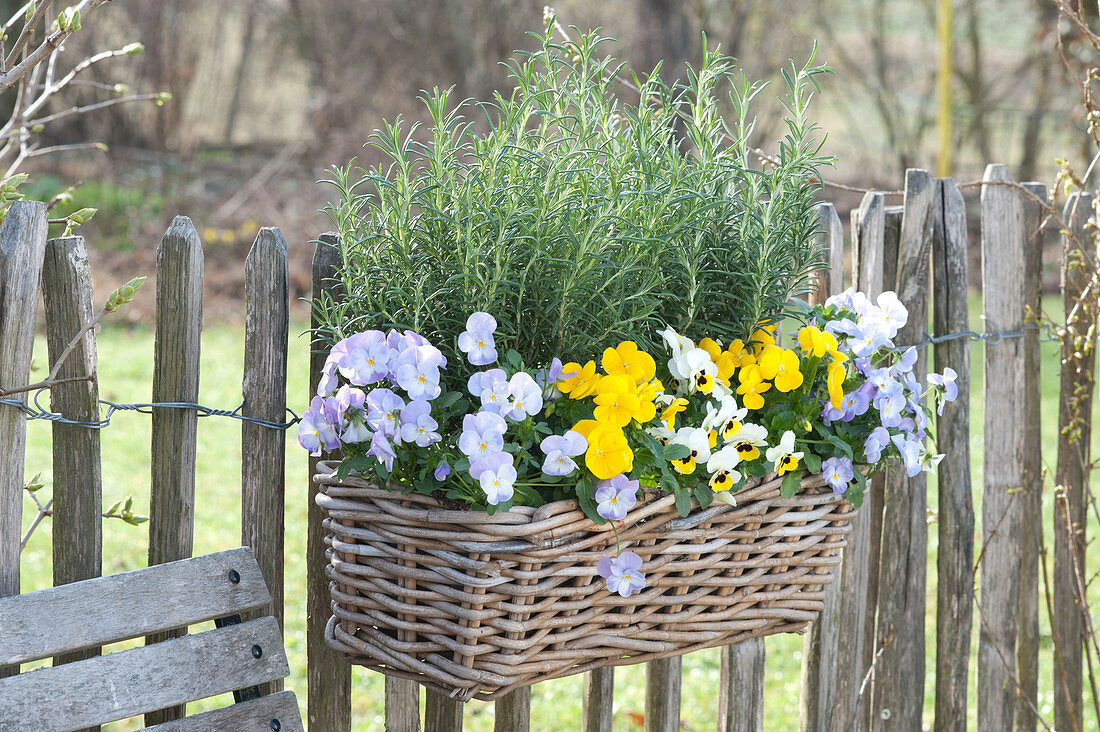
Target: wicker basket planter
[[478, 605]]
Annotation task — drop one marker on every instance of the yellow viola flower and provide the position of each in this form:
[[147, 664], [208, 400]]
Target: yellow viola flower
[[834, 381], [781, 366], [752, 385], [727, 363], [582, 383], [616, 400], [814, 341], [585, 427], [668, 416], [713, 437], [740, 354], [750, 438], [783, 456], [625, 358], [703, 382], [762, 338], [608, 453], [711, 347], [647, 396]]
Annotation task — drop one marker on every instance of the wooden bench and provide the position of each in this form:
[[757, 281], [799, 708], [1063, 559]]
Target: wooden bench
[[235, 656]]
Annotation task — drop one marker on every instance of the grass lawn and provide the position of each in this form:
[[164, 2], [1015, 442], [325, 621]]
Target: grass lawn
[[126, 357]]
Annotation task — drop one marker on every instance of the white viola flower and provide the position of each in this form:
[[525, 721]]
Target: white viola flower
[[722, 467], [783, 456], [749, 439], [697, 441], [891, 313], [661, 431], [726, 418], [677, 343], [525, 397]]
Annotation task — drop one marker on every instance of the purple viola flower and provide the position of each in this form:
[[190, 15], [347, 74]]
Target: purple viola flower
[[350, 399], [615, 497], [496, 475], [319, 428], [875, 444], [417, 371], [552, 374], [856, 402], [477, 340], [329, 380], [497, 397], [910, 448], [383, 406], [381, 449], [442, 470], [417, 424], [525, 397], [365, 358], [830, 414], [560, 451], [622, 573], [838, 472], [482, 434], [946, 383], [852, 300], [891, 314], [868, 338], [907, 360], [479, 381]]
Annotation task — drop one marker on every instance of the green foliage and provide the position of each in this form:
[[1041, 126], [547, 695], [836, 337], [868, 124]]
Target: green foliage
[[579, 218]]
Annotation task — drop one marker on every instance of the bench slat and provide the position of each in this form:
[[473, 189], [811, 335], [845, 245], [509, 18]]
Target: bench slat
[[72, 617], [128, 683], [250, 716]]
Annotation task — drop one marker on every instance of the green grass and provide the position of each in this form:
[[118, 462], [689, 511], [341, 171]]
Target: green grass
[[126, 357]]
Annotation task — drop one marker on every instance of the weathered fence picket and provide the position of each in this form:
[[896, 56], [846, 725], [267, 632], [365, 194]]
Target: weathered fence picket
[[822, 644], [22, 246], [1004, 244], [329, 676], [175, 379], [662, 694], [955, 567], [263, 450], [599, 689], [898, 687], [1031, 489], [1078, 352]]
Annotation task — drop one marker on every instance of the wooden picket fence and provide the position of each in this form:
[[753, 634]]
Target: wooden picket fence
[[864, 660]]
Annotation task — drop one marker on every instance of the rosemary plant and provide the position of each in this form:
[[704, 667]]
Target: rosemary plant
[[579, 218]]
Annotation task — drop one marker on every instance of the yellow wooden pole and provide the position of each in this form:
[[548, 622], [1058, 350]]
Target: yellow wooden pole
[[944, 24]]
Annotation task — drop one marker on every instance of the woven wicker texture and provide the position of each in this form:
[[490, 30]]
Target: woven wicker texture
[[477, 605]]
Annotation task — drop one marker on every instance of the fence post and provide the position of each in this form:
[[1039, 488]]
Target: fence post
[[22, 247], [1078, 343], [1004, 243], [175, 379], [513, 711], [263, 450], [868, 229], [442, 713], [898, 690], [599, 690], [822, 642], [955, 567], [662, 694], [329, 675], [77, 481], [741, 690], [1031, 491]]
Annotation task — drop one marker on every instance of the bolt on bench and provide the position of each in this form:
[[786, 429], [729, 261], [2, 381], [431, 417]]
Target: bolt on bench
[[79, 617]]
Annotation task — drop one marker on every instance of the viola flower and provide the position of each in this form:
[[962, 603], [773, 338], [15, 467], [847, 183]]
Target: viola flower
[[525, 397], [815, 342], [834, 381], [616, 400], [366, 358], [479, 381], [697, 441], [752, 386], [677, 344], [560, 451], [763, 337], [910, 448], [582, 382], [383, 406], [615, 497], [668, 416], [318, 429], [622, 573], [852, 300], [608, 452], [381, 449], [329, 379], [749, 440], [477, 340], [417, 424], [482, 434], [496, 475], [856, 403], [694, 368], [660, 432], [891, 314], [875, 443], [417, 371], [626, 359], [781, 366], [870, 336], [726, 419], [889, 404], [838, 472], [721, 466], [547, 379], [945, 384], [442, 470], [497, 398], [783, 456]]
